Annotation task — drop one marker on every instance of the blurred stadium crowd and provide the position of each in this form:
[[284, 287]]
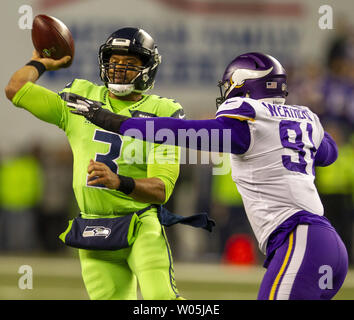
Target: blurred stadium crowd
[[36, 197]]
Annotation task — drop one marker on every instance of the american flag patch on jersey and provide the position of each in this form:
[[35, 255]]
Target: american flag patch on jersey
[[271, 85]]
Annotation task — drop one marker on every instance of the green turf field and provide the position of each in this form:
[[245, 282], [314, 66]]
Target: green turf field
[[59, 278]]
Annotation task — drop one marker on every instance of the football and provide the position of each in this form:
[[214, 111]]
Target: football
[[52, 38]]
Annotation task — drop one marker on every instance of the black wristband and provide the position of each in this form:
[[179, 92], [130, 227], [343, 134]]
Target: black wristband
[[127, 184], [38, 65]]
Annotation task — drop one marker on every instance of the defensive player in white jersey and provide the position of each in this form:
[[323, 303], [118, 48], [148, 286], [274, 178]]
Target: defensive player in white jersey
[[274, 150]]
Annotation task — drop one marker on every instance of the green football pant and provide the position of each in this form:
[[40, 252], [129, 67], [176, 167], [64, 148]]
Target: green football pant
[[111, 275]]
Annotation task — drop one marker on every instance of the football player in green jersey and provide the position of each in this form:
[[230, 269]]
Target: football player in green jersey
[[113, 175]]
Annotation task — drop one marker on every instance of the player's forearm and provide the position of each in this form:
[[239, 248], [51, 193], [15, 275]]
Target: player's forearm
[[149, 190], [327, 152], [31, 73], [215, 135], [19, 79]]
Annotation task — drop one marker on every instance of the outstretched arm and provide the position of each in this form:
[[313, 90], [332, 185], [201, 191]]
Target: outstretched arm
[[215, 135]]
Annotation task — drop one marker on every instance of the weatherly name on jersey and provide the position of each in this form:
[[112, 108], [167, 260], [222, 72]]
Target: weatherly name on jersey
[[287, 111]]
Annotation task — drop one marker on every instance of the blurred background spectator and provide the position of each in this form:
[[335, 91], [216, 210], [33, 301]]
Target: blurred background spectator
[[237, 244], [328, 89], [58, 204], [36, 199], [21, 194], [335, 184]]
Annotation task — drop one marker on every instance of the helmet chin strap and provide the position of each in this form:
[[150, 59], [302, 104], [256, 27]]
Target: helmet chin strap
[[120, 90]]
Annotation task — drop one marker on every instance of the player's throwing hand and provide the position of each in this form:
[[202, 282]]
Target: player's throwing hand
[[50, 64], [99, 173]]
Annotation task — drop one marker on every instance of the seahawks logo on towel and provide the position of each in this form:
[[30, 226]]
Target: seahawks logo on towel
[[96, 231]]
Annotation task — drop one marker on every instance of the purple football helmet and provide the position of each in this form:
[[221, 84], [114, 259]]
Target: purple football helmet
[[254, 74]]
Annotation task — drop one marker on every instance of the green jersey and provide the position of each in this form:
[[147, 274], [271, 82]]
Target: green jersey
[[124, 155]]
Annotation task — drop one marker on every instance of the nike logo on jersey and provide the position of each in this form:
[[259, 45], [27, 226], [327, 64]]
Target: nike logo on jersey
[[232, 100], [141, 114], [179, 114]]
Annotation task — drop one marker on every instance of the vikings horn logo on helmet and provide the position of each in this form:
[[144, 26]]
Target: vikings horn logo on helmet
[[247, 76], [240, 75]]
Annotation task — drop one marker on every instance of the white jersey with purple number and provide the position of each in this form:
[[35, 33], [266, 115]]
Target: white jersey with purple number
[[275, 176]]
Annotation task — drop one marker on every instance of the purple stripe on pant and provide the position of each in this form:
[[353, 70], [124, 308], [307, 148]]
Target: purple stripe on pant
[[310, 265]]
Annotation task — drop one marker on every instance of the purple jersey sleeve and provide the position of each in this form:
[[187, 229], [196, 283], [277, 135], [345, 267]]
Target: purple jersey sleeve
[[215, 135], [236, 108], [327, 152]]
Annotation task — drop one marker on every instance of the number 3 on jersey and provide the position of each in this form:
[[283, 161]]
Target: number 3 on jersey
[[292, 137], [115, 142]]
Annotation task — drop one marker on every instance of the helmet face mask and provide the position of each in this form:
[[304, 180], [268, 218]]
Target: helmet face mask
[[254, 75], [121, 76], [118, 77]]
